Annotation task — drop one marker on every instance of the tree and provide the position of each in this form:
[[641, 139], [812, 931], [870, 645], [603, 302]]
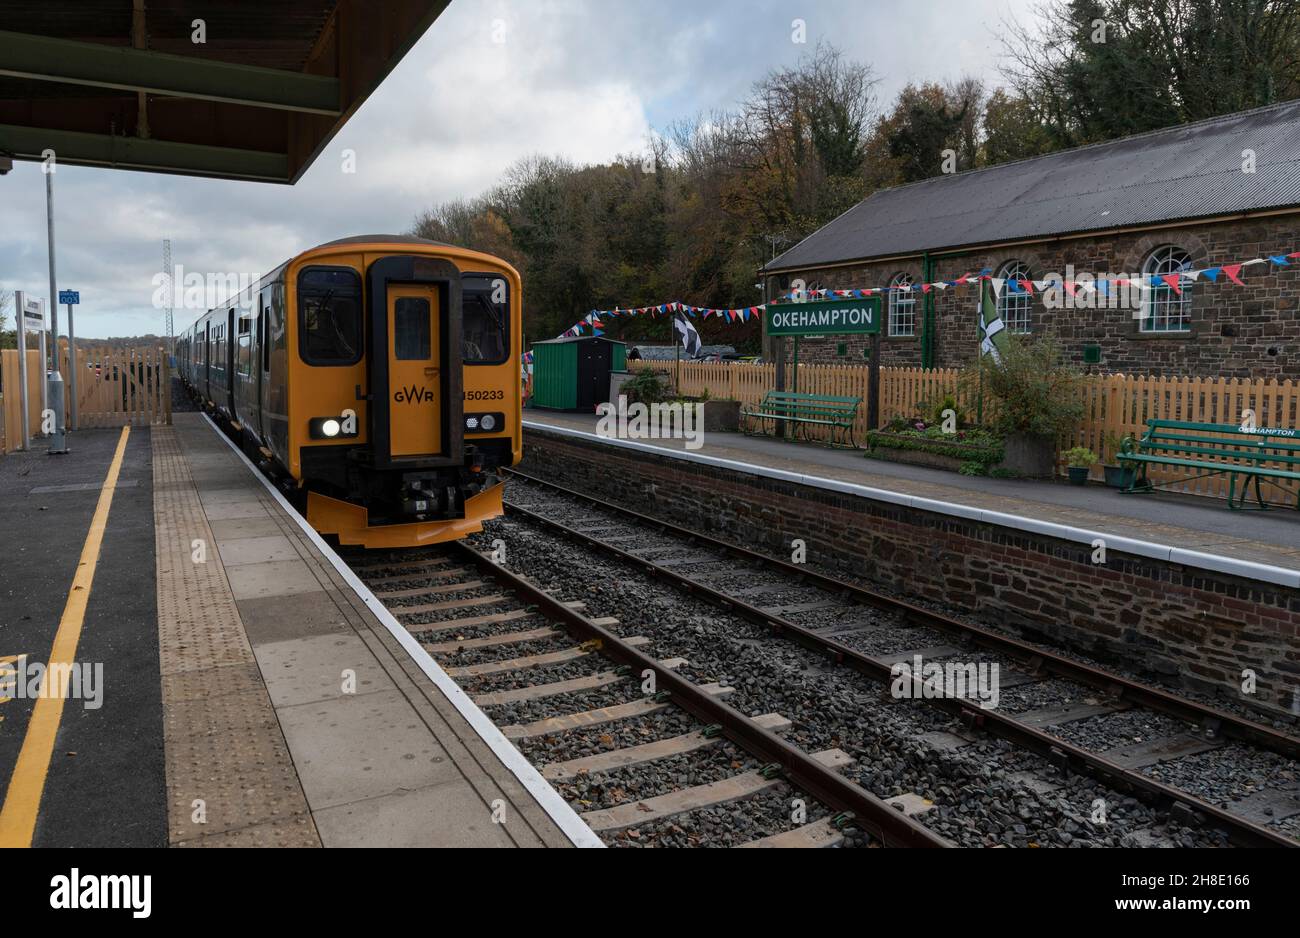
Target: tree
[[1100, 69], [8, 337], [911, 141], [1013, 129]]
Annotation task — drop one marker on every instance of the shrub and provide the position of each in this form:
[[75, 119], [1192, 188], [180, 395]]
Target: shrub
[[646, 388], [1080, 458], [1031, 390], [977, 449], [934, 411]]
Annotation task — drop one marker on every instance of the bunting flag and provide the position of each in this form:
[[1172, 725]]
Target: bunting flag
[[1174, 281]]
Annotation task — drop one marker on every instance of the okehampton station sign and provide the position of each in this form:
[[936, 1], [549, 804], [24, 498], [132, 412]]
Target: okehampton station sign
[[824, 317]]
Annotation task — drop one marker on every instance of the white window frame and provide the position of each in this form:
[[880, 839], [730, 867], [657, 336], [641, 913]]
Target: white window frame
[[1164, 312], [1014, 308], [902, 307]]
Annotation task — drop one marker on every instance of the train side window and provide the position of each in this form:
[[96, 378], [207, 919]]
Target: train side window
[[244, 354], [411, 329], [485, 319], [330, 316]]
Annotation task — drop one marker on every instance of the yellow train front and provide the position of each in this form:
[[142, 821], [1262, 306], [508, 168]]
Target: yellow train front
[[377, 379]]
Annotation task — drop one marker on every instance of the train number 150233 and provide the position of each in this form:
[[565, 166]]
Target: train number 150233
[[485, 395]]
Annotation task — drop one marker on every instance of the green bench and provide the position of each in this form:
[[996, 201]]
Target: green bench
[[1255, 456], [784, 408]]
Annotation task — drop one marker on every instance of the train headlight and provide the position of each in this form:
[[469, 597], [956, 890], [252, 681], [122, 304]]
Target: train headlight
[[333, 428], [484, 423]]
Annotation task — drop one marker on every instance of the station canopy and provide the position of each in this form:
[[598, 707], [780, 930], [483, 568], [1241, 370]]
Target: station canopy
[[124, 84]]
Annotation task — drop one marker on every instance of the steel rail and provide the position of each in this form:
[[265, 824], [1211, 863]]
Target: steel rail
[[1057, 751], [887, 824], [1209, 718]]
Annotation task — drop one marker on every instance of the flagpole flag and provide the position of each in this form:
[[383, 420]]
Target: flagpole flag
[[992, 330], [686, 334]]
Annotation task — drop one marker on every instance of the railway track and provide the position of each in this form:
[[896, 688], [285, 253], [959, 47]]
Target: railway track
[[1138, 740], [537, 665]]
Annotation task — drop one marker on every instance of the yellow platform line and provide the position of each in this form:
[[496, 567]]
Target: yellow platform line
[[27, 784]]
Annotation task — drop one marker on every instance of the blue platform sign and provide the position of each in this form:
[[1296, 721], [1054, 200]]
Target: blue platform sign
[[69, 296]]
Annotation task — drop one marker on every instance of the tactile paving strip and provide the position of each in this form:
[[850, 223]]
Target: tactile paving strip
[[227, 761]]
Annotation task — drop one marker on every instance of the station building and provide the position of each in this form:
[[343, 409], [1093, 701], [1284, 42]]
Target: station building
[[1201, 195]]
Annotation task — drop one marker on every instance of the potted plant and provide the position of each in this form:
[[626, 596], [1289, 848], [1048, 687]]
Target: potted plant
[[1080, 460], [1118, 476]]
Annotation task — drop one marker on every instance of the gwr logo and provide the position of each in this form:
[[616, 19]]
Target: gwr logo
[[413, 395]]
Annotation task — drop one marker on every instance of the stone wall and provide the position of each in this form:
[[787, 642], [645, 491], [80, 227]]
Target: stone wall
[[1250, 331], [1201, 628]]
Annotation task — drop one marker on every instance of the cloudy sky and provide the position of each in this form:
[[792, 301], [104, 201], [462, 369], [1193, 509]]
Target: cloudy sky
[[588, 79]]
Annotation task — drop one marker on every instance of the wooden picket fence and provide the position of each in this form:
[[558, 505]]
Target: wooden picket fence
[[1115, 405], [115, 387]]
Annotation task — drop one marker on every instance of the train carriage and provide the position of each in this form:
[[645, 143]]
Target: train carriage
[[375, 379]]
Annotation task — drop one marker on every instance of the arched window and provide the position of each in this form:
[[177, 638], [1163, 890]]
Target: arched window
[[1165, 309], [902, 307], [1014, 303]]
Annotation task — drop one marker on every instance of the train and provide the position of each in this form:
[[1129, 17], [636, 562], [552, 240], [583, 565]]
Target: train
[[375, 379]]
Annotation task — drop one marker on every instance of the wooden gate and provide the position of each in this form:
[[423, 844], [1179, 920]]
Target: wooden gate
[[120, 386]]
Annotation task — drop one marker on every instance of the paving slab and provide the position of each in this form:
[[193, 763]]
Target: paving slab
[[278, 578], [319, 668], [448, 815], [243, 550], [375, 745]]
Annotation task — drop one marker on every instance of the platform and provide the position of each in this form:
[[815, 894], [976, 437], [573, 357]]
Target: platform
[[1194, 530], [227, 635]]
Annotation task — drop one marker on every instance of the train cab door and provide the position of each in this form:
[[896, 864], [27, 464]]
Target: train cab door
[[416, 386], [414, 370]]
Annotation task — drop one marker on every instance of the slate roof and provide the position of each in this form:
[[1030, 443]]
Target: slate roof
[[1180, 173]]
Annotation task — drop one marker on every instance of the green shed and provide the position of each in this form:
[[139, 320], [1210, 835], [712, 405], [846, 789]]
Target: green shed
[[573, 373]]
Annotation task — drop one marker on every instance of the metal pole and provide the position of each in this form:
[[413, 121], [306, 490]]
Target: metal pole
[[677, 344], [20, 307], [979, 360], [72, 369], [45, 389], [54, 293], [873, 385], [789, 427]]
